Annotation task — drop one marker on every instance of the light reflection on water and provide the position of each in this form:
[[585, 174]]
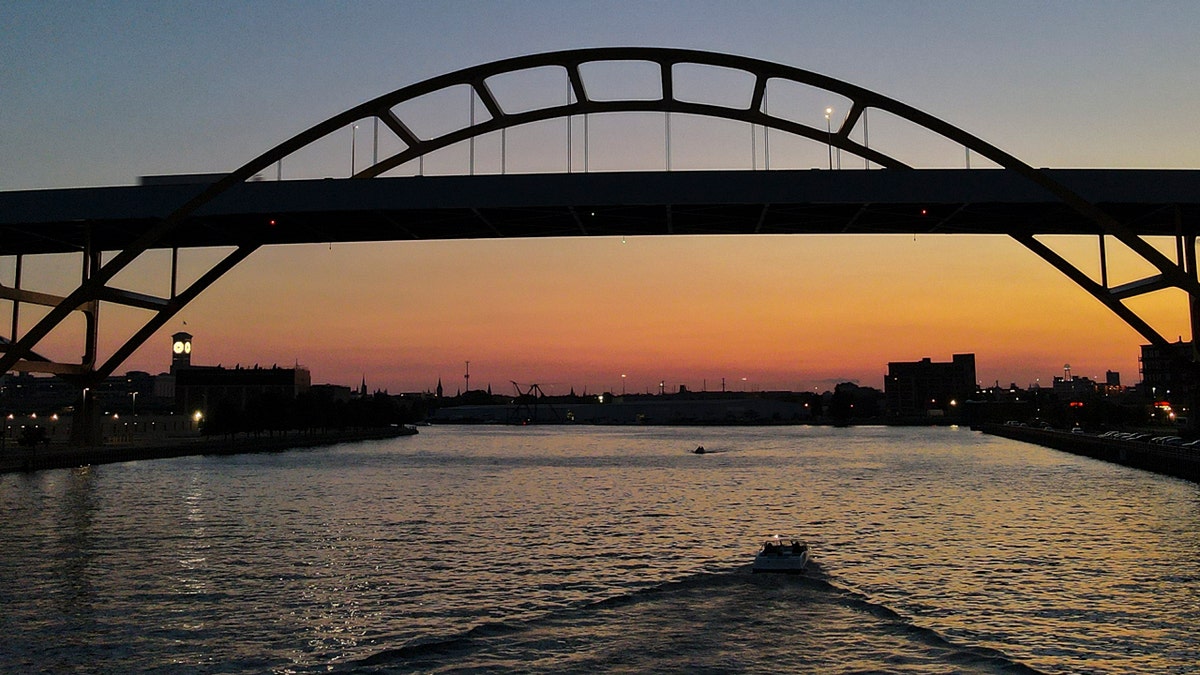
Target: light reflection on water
[[306, 559]]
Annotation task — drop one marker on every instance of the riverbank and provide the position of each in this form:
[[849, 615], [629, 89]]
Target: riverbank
[[62, 456], [1166, 460]]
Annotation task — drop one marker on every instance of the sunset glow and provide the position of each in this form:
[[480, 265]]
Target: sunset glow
[[597, 314]]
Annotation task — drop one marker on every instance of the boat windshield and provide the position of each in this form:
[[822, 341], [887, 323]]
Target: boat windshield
[[783, 546]]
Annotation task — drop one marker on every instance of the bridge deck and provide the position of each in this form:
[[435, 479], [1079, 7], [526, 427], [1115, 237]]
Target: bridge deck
[[980, 201]]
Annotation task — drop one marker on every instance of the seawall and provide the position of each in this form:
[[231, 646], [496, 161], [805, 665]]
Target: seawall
[[1167, 460], [63, 457]]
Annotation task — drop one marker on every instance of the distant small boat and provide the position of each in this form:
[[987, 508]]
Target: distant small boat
[[788, 556]]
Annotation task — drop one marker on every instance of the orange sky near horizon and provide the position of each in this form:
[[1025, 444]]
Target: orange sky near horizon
[[783, 312], [91, 101]]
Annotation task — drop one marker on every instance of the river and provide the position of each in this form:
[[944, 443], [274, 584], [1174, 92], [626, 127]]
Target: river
[[612, 549]]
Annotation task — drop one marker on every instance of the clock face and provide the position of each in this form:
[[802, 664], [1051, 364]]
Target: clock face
[[187, 348], [178, 347]]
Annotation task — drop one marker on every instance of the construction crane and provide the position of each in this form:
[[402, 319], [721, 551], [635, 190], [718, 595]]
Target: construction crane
[[526, 410]]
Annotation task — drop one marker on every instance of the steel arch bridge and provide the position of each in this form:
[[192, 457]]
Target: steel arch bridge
[[161, 225]]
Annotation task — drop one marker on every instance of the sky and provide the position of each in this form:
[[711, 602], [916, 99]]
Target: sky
[[97, 94]]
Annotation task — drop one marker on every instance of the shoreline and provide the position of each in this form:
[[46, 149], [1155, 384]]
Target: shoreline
[[1172, 461], [38, 458], [1177, 462]]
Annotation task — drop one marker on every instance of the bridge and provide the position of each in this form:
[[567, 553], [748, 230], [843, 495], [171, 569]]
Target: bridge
[[927, 201], [242, 211]]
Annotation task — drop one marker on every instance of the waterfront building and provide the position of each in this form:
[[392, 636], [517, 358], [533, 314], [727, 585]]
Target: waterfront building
[[928, 388], [669, 409], [25, 392], [1074, 387], [135, 391], [1169, 372], [331, 393], [201, 389]]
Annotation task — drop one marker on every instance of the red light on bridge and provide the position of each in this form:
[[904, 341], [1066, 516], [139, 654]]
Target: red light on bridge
[[271, 222]]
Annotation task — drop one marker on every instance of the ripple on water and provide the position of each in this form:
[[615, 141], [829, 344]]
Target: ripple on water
[[543, 550]]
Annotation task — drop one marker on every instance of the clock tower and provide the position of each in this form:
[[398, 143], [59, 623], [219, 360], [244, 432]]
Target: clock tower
[[181, 351]]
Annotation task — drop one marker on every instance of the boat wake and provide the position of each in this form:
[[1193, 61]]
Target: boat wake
[[726, 621]]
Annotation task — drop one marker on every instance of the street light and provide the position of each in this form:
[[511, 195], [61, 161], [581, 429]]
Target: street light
[[353, 140]]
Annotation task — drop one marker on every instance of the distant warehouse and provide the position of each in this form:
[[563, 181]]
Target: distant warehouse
[[203, 388], [927, 388]]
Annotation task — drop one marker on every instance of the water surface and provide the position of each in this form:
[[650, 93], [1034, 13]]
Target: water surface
[[576, 549]]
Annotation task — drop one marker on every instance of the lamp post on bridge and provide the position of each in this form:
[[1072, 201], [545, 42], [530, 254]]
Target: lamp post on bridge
[[829, 134]]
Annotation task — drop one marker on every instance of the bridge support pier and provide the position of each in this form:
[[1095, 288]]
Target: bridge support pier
[[1187, 244], [85, 423], [1188, 258]]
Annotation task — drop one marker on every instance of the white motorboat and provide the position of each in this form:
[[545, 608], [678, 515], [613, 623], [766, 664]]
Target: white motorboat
[[780, 554]]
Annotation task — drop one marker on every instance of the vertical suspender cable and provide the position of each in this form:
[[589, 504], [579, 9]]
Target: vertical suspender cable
[[16, 309], [839, 148], [866, 141], [471, 142], [766, 135], [753, 147], [668, 140], [570, 119]]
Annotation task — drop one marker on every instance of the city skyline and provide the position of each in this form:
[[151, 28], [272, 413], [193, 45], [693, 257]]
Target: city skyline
[[1055, 85], [460, 384]]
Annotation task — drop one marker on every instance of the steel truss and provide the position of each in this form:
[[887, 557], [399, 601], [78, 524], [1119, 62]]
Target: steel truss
[[18, 353]]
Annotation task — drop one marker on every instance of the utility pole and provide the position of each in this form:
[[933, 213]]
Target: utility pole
[[467, 378]]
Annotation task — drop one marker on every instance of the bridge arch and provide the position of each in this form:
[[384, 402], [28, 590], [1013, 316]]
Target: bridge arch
[[582, 103], [95, 286]]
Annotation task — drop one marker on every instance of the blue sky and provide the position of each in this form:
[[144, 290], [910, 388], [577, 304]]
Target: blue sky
[[101, 93]]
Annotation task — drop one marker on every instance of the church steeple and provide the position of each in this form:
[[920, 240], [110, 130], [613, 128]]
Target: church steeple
[[362, 389], [439, 388]]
